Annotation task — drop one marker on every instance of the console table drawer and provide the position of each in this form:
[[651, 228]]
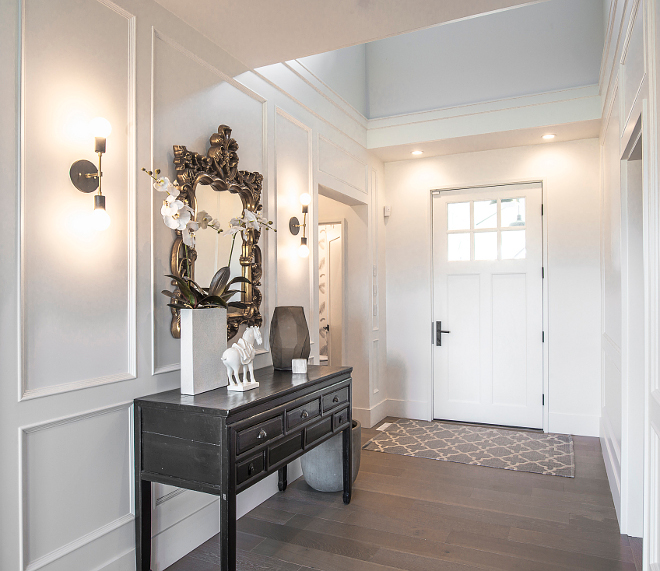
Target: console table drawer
[[339, 419], [250, 468], [303, 413], [284, 449], [248, 438], [335, 398], [318, 430]]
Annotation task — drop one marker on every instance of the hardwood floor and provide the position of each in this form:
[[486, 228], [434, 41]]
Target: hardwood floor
[[424, 515]]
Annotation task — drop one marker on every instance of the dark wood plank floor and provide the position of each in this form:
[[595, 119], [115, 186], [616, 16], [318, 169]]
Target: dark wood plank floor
[[424, 515]]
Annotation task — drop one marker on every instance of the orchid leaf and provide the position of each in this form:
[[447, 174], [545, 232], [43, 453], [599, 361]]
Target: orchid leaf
[[219, 281]]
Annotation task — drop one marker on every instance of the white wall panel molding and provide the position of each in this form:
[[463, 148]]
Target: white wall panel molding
[[283, 79], [555, 108], [302, 71], [607, 44], [29, 476], [158, 37], [291, 180], [26, 388], [341, 165]]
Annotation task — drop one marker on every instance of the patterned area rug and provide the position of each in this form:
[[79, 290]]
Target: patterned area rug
[[550, 454]]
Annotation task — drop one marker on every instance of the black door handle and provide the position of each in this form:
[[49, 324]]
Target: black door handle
[[326, 327], [438, 333]]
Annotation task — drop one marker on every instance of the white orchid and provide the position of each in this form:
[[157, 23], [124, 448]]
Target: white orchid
[[250, 219], [171, 206], [188, 233], [164, 185], [179, 219]]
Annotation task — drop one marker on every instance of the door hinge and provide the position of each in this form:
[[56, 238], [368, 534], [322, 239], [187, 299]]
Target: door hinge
[[543, 400], [541, 209], [432, 332], [542, 273], [542, 336]]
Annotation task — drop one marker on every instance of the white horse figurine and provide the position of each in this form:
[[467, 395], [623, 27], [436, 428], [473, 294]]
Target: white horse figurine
[[242, 353]]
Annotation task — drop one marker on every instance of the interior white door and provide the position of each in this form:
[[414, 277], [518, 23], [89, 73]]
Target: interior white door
[[488, 294]]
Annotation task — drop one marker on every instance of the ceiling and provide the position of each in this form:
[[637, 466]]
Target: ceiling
[[484, 142], [263, 32]]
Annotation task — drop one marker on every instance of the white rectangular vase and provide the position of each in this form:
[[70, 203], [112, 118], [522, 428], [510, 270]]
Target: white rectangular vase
[[203, 341]]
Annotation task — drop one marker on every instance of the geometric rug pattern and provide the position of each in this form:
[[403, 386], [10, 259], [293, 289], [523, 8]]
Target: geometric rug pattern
[[550, 454]]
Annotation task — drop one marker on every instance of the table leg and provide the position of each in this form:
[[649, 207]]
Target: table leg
[[143, 525], [281, 478], [347, 449]]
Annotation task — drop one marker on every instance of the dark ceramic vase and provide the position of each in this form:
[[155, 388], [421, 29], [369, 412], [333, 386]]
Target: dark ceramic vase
[[289, 336]]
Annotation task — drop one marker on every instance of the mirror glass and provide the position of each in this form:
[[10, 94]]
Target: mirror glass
[[213, 248]]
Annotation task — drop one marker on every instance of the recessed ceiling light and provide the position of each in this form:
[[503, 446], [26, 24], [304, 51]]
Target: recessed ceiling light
[[549, 136], [417, 152]]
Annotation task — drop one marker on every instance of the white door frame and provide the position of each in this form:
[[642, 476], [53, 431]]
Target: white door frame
[[544, 194], [344, 290]]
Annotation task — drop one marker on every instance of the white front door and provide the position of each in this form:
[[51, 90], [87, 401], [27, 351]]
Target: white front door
[[488, 293]]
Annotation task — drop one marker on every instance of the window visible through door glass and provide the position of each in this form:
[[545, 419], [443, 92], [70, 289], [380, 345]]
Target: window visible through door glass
[[485, 246], [458, 216], [513, 245], [458, 247], [485, 214], [513, 212]]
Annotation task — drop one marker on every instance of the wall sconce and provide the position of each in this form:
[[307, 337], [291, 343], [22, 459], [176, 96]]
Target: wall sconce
[[295, 225], [86, 177]]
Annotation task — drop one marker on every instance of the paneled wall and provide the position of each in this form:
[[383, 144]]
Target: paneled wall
[[85, 327], [625, 189]]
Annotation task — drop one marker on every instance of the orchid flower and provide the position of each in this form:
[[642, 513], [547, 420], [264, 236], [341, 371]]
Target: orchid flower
[[188, 234]]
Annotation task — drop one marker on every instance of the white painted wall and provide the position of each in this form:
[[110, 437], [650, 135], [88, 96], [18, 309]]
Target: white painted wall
[[570, 172], [345, 72], [531, 49]]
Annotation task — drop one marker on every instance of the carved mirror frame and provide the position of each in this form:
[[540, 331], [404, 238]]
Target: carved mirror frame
[[219, 169]]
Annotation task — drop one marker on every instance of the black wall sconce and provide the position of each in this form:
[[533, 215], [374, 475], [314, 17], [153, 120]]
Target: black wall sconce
[[295, 225], [86, 177]]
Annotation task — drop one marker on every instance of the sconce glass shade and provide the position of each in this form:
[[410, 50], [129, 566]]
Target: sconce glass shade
[[305, 199], [100, 127], [100, 218], [303, 250], [289, 336]]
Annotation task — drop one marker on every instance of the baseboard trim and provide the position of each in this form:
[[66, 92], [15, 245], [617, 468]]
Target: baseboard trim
[[578, 424], [612, 464], [369, 417], [419, 410]]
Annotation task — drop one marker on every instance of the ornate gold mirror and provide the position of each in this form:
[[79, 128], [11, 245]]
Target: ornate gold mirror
[[213, 183]]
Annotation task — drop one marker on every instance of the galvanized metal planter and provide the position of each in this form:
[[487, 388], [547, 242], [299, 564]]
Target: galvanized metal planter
[[203, 341]]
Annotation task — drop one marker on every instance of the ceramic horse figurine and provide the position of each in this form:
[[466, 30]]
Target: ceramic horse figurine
[[242, 353]]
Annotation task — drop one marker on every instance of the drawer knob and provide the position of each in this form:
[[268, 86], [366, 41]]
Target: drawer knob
[[340, 419], [304, 414], [336, 399], [262, 434], [250, 469]]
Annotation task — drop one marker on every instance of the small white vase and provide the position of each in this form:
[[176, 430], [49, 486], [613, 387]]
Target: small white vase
[[203, 341]]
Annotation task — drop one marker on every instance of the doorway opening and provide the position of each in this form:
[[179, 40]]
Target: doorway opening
[[331, 293]]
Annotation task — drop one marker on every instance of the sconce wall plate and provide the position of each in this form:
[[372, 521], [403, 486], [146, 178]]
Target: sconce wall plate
[[294, 226], [84, 176]]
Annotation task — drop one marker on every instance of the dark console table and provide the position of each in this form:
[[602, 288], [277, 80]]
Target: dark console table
[[222, 442]]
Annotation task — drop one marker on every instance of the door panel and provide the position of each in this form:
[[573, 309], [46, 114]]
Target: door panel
[[488, 292]]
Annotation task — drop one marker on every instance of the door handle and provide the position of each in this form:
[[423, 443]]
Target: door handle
[[326, 327], [438, 333]]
